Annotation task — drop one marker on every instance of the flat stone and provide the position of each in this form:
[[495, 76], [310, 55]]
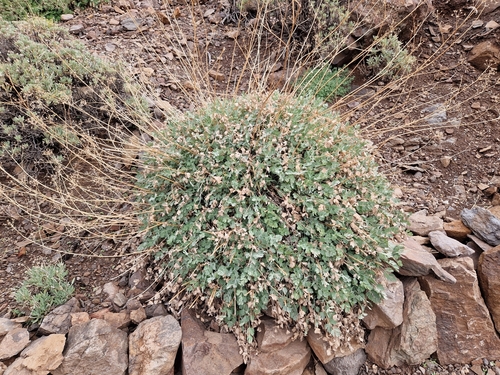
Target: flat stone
[[271, 337], [483, 224], [290, 360], [94, 348], [117, 320], [348, 365], [153, 346], [7, 325], [40, 357], [205, 352], [76, 29], [421, 225], [489, 279], [14, 342], [465, 329], [66, 17], [448, 246], [131, 24], [457, 230], [484, 55], [59, 319]]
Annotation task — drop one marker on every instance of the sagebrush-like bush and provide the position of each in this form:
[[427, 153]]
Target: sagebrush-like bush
[[13, 10], [324, 83], [389, 58], [268, 203]]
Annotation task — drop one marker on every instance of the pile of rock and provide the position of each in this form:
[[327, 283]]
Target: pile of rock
[[444, 300]]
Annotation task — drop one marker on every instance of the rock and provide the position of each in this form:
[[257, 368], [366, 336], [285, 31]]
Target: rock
[[348, 365], [484, 55], [119, 299], [290, 360], [448, 246], [389, 312], [76, 29], [487, 6], [218, 76], [445, 161], [3, 367], [421, 225], [131, 24], [457, 230], [319, 369], [14, 342], [79, 318], [419, 262], [483, 224], [205, 352], [117, 320], [153, 346], [66, 17], [7, 325], [326, 351], [40, 357], [489, 279], [481, 244], [436, 114], [414, 340], [271, 337], [138, 315], [94, 348], [59, 319], [465, 329], [110, 289], [155, 310]]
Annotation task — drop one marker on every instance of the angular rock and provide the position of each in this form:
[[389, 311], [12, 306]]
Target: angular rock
[[94, 348], [153, 346], [484, 55], [448, 246], [59, 319], [137, 316], [117, 320], [457, 230], [40, 357], [419, 262], [111, 289], [479, 243], [7, 325], [414, 340], [290, 360], [14, 342], [489, 279], [205, 352], [79, 318], [348, 365], [3, 367], [389, 312], [483, 224], [155, 310], [326, 351], [271, 337], [421, 225], [465, 328]]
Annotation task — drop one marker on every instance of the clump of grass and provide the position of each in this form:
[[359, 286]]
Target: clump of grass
[[324, 83], [44, 289]]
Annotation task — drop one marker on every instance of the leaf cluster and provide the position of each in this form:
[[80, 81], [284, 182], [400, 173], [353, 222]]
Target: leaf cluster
[[268, 204], [389, 58], [50, 9], [44, 289], [324, 83]]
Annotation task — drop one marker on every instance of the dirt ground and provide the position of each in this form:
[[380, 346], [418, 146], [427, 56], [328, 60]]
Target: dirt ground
[[437, 134]]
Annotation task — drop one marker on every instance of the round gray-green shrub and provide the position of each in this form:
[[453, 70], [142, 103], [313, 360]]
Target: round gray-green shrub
[[268, 203]]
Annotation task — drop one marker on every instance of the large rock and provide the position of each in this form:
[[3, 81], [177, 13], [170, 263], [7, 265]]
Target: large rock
[[421, 224], [153, 346], [348, 365], [327, 351], [7, 325], [489, 279], [14, 342], [271, 337], [40, 357], [389, 312], [483, 224], [457, 230], [414, 340], [448, 246], [465, 328], [59, 319], [419, 262], [484, 55], [205, 352], [94, 348], [290, 360]]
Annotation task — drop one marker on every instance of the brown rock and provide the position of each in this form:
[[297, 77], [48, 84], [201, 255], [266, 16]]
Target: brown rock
[[487, 6], [137, 316], [348, 365], [389, 312], [457, 230], [7, 325], [421, 225], [271, 337], [117, 320], [205, 352], [59, 319], [465, 329], [326, 351], [419, 262], [485, 54], [290, 360], [14, 342], [448, 246], [94, 348], [489, 279], [153, 346], [218, 76], [40, 357], [79, 318]]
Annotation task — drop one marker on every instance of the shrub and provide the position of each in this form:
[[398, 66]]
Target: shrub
[[52, 91], [51, 9], [269, 203], [44, 289], [324, 83], [388, 58]]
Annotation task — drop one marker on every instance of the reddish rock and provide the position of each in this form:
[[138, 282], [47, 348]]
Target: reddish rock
[[389, 312], [205, 352], [326, 351], [457, 230], [465, 328], [271, 337], [137, 316], [290, 360], [117, 320], [14, 342], [484, 55], [421, 224], [79, 318], [489, 279]]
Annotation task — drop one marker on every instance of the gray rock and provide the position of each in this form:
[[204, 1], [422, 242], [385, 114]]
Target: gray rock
[[131, 24], [483, 224], [153, 346], [348, 365], [435, 114], [7, 325], [14, 342], [76, 29], [448, 246], [59, 319], [94, 348]]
